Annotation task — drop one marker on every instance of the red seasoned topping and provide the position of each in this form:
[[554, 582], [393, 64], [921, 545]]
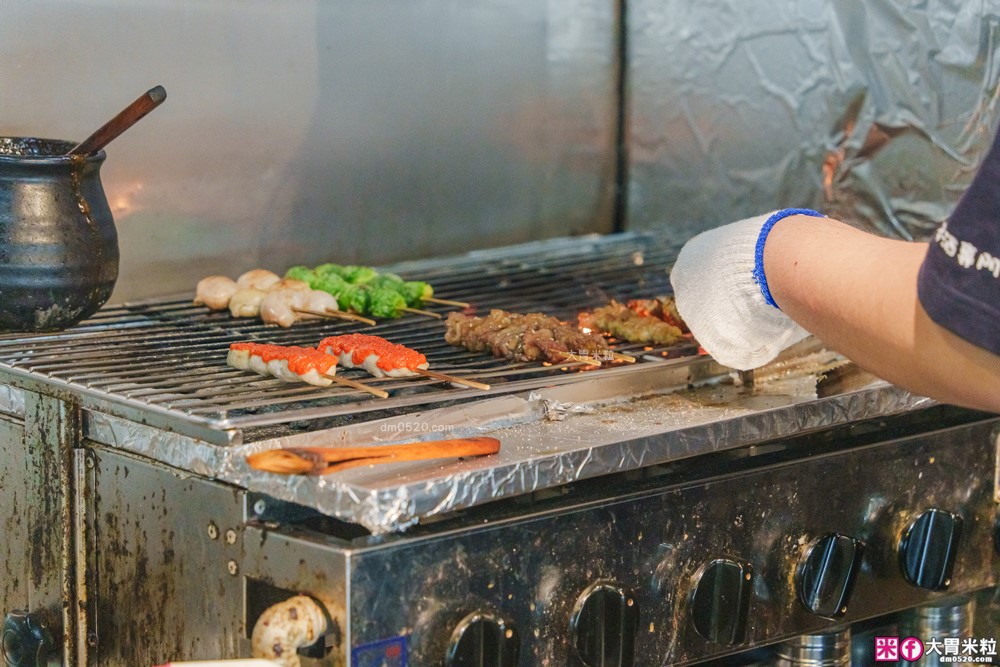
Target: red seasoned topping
[[391, 356], [300, 360]]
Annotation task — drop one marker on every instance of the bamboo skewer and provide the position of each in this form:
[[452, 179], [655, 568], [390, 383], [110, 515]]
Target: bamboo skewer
[[426, 313], [447, 302], [569, 356], [336, 314], [357, 385], [452, 378], [623, 357], [322, 460]]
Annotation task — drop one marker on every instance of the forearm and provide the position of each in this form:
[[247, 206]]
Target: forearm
[[858, 294]]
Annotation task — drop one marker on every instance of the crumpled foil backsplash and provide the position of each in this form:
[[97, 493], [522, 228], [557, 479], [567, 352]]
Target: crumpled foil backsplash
[[876, 113]]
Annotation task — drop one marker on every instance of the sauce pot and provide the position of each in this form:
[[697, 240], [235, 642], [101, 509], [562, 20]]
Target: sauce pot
[[58, 244]]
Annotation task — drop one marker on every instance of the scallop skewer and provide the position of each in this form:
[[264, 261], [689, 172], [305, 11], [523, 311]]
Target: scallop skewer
[[292, 364], [382, 358]]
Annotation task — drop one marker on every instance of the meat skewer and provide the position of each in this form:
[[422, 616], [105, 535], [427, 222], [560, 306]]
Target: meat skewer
[[322, 460], [661, 307], [382, 358], [626, 323], [531, 337], [292, 364]]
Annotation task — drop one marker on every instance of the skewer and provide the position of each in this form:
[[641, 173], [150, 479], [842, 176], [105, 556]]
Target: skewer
[[569, 356], [452, 378], [336, 314], [623, 357], [426, 313], [357, 385], [447, 302], [321, 460]]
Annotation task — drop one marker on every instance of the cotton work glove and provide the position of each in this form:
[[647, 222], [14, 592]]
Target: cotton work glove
[[722, 294]]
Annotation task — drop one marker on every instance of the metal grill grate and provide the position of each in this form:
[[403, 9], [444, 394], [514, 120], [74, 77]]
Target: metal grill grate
[[163, 361]]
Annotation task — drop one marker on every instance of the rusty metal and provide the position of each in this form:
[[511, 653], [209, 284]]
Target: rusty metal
[[52, 428]]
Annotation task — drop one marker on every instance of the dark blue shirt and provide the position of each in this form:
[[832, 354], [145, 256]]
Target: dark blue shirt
[[959, 282]]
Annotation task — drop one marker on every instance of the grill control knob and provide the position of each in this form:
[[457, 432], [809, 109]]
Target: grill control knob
[[604, 625], [826, 574], [928, 547], [483, 640], [720, 601], [26, 641]]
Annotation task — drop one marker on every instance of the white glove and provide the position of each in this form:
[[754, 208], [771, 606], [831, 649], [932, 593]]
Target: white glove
[[722, 295]]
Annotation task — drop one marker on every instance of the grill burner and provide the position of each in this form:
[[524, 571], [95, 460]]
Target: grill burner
[[166, 358]]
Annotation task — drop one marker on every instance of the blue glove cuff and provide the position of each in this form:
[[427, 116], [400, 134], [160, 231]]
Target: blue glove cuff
[[758, 255]]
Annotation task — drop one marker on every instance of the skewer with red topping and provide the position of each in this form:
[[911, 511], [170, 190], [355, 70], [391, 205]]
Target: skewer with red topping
[[382, 358], [292, 364]]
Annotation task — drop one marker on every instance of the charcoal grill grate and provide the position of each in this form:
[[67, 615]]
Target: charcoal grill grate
[[162, 361]]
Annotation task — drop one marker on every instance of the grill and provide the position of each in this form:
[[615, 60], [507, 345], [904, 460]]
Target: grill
[[699, 507], [165, 360]]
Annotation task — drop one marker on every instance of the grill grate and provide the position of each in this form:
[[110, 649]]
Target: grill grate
[[162, 361]]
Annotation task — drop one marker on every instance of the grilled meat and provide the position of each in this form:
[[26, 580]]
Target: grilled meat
[[531, 337]]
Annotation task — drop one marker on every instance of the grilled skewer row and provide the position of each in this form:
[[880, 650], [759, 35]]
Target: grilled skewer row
[[260, 293], [318, 367]]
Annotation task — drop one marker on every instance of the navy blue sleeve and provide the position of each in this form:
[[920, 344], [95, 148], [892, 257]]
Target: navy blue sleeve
[[959, 281]]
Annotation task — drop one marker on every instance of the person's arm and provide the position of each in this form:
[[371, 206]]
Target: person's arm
[[858, 294]]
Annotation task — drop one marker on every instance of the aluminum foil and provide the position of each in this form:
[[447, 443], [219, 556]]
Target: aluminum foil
[[549, 438], [876, 113], [11, 401]]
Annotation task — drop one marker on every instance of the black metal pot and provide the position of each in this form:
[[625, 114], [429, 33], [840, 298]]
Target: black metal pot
[[58, 244]]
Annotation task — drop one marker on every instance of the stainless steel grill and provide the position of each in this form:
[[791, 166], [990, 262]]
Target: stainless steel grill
[[165, 358]]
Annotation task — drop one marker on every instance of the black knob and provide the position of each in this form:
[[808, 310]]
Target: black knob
[[604, 625], [26, 640], [720, 601], [928, 547], [483, 640], [826, 574]]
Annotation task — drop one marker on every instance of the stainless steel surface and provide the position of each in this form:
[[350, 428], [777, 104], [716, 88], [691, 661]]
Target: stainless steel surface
[[951, 617], [539, 451], [309, 131], [529, 561], [15, 558], [829, 649], [160, 586], [46, 512], [875, 112]]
